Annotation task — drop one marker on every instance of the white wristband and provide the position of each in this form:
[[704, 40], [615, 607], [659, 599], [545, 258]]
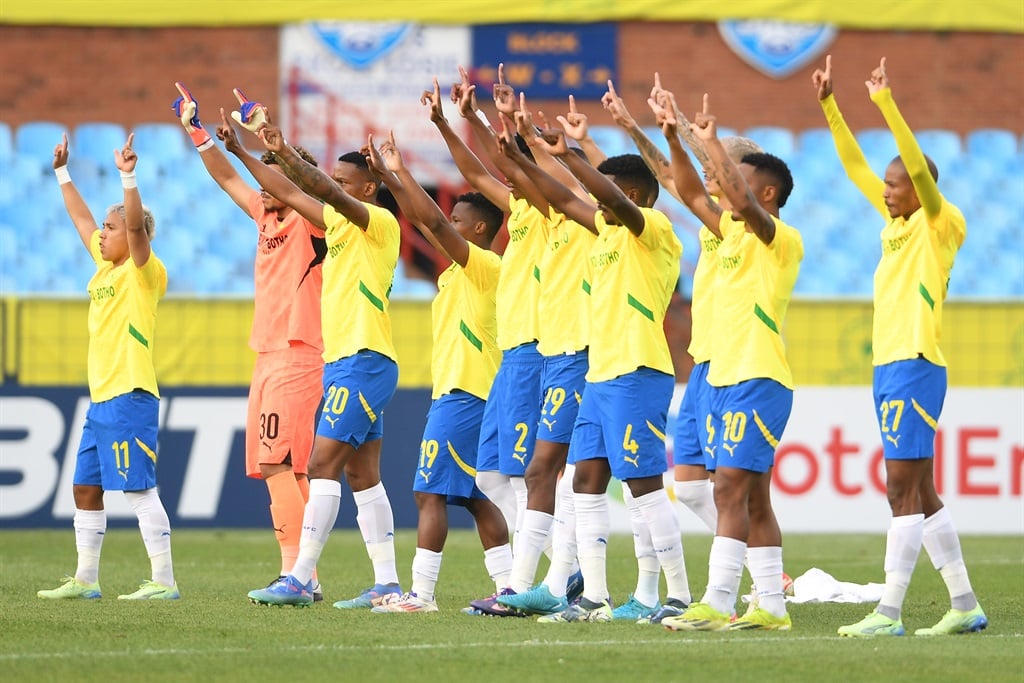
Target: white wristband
[[206, 145], [128, 180], [483, 117], [63, 176]]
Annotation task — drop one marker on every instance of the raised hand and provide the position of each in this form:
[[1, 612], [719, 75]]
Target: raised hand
[[878, 81], [506, 137], [553, 140], [614, 105], [432, 98], [373, 158], [252, 116], [272, 138], [126, 158], [822, 80], [226, 134], [390, 154], [504, 95], [574, 123], [60, 152], [464, 94], [704, 125], [186, 109], [523, 119]]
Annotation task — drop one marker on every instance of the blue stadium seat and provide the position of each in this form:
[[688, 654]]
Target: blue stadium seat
[[943, 146], [23, 171], [774, 139], [161, 142], [878, 146], [97, 141], [994, 143], [612, 140], [37, 139], [815, 140], [6, 142]]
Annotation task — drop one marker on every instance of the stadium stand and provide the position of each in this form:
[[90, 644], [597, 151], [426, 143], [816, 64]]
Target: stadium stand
[[205, 241]]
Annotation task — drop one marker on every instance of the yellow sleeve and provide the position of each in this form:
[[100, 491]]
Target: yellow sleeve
[[854, 162], [910, 152]]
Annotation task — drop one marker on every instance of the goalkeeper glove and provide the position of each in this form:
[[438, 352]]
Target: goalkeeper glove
[[187, 109], [251, 115]]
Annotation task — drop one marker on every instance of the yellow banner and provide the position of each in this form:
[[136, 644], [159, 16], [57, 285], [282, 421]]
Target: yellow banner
[[1006, 16], [205, 342]]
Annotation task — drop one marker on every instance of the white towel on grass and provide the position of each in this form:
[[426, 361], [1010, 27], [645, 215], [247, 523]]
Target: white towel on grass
[[815, 585]]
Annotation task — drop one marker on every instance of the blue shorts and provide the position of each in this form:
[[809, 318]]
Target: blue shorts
[[447, 464], [908, 400], [118, 447], [691, 444], [623, 420], [357, 388], [509, 427], [562, 383], [747, 421]]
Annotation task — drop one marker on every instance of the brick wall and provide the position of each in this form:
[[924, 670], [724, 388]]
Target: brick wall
[[942, 80]]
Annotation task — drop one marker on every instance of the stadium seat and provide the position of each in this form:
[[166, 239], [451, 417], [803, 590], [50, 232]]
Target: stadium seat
[[163, 142], [612, 140], [815, 140], [97, 141], [774, 140], [878, 146], [6, 142], [994, 143], [943, 146], [37, 139]]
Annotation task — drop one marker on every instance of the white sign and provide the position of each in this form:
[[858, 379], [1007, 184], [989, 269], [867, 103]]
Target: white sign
[[341, 81]]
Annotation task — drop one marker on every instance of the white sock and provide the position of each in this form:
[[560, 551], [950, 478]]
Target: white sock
[[498, 562], [592, 529], [563, 536], [90, 528], [667, 541], [942, 544], [156, 532], [724, 564], [903, 545], [497, 487], [766, 570], [533, 536], [518, 485], [699, 497], [426, 566], [317, 521], [648, 570], [377, 524]]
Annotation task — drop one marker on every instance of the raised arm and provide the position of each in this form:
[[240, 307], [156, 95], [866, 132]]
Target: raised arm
[[910, 152], [186, 108], [577, 127], [730, 180], [857, 168], [688, 184], [400, 192], [274, 182], [134, 220], [505, 103], [649, 152], [471, 168], [428, 214], [76, 207], [311, 179], [563, 199]]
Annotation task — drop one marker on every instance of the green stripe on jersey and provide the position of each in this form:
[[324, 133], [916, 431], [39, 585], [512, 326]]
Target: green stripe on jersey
[[927, 297], [536, 273], [138, 335], [586, 287], [468, 334], [647, 313], [371, 296], [766, 319]]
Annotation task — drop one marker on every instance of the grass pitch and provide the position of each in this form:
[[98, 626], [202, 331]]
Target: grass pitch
[[214, 634]]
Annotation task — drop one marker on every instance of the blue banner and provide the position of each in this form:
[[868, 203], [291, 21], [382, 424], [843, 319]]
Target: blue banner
[[201, 465], [548, 61]]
